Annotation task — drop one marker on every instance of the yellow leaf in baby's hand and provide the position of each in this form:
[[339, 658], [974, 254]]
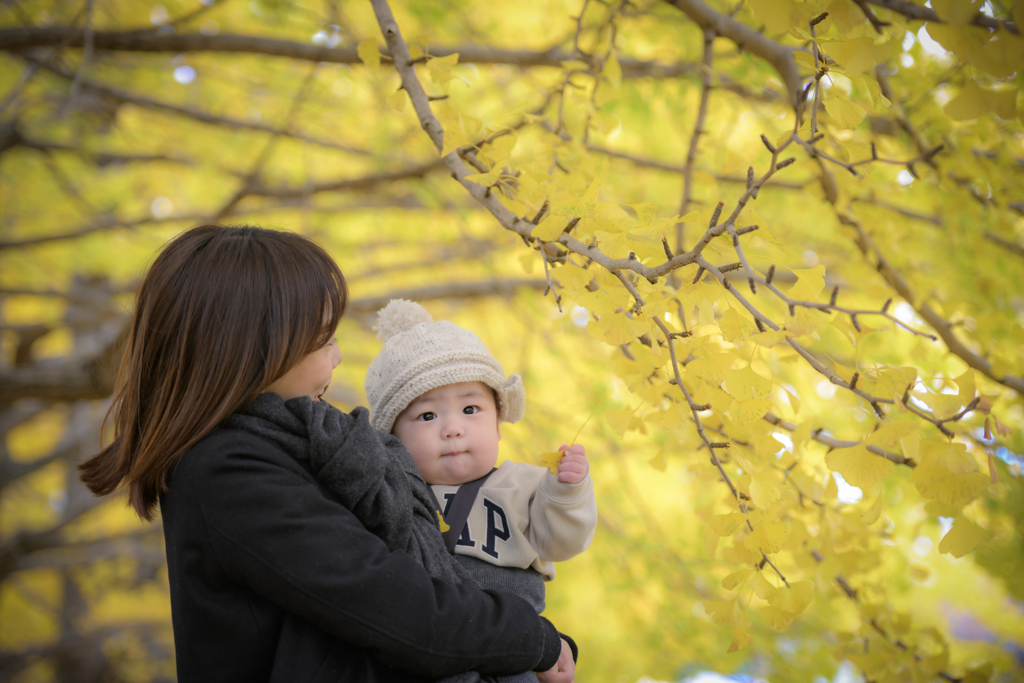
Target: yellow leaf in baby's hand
[[550, 460], [441, 522]]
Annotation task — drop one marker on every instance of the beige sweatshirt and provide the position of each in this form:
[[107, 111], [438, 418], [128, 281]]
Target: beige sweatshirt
[[524, 517]]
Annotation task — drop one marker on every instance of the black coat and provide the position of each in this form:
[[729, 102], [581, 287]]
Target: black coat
[[272, 580]]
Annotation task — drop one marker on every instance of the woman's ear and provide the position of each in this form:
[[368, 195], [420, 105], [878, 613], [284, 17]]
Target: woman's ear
[[498, 427]]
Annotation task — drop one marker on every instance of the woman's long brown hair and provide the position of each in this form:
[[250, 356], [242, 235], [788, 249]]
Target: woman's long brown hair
[[221, 314]]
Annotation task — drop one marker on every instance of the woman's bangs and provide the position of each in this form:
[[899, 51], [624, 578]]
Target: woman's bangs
[[333, 293]]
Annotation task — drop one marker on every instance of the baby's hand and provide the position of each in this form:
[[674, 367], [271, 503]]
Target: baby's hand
[[573, 466]]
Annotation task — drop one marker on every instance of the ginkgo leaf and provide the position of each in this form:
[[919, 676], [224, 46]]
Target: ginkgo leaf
[[572, 277], [763, 491], [762, 587], [735, 326], [440, 68], [740, 640], [845, 113], [746, 384], [646, 214], [974, 101], [725, 525], [887, 436], [745, 412], [871, 515], [454, 135], [795, 599], [618, 329], [892, 382], [441, 523], [767, 537], [710, 542], [549, 229], [485, 179], [599, 302], [956, 12], [615, 244], [769, 338], [857, 55], [706, 313], [778, 15], [810, 282], [582, 206], [368, 53], [858, 466], [736, 579], [805, 321], [966, 385], [963, 537], [711, 367], [935, 481], [942, 405], [776, 618], [953, 456], [722, 612], [623, 420], [551, 459]]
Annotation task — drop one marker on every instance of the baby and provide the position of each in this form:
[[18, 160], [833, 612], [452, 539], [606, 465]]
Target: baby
[[440, 391]]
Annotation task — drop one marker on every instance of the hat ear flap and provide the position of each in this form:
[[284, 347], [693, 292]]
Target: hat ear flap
[[513, 399]]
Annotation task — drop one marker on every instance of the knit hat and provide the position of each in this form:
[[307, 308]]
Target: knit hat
[[420, 354]]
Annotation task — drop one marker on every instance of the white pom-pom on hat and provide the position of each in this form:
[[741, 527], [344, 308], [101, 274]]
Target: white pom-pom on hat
[[400, 316]]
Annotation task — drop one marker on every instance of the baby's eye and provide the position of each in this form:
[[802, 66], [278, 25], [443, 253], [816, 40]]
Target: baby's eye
[[471, 410], [427, 417]]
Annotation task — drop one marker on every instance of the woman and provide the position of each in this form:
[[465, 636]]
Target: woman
[[271, 578]]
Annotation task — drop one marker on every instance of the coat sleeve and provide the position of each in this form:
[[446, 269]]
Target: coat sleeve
[[563, 518], [273, 530]]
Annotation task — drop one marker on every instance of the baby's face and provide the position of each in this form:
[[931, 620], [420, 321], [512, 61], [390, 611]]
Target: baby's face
[[451, 432]]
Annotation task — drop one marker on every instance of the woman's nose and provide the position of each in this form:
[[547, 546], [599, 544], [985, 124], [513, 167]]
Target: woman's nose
[[336, 358]]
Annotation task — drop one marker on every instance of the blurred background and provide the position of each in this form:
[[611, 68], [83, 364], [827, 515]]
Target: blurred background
[[124, 122]]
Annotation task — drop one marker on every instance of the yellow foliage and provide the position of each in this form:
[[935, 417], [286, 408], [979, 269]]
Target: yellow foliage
[[859, 466], [963, 537]]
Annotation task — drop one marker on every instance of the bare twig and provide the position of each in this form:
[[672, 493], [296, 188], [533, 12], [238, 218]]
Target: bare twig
[[698, 130]]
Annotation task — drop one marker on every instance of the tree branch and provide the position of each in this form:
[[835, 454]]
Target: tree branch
[[698, 130], [192, 113], [920, 13], [149, 40], [776, 54]]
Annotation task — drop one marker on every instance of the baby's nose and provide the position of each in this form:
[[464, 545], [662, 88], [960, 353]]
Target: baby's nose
[[453, 427]]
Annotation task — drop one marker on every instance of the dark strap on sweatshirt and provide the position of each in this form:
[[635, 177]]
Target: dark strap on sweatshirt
[[458, 512]]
